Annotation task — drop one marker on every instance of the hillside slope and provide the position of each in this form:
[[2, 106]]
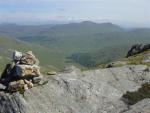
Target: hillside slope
[[86, 44], [8, 45]]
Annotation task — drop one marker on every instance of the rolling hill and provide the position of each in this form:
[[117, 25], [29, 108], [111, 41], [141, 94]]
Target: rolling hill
[[85, 44], [8, 45]]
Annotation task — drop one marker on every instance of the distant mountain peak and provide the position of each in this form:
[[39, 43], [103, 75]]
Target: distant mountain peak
[[88, 22], [107, 23]]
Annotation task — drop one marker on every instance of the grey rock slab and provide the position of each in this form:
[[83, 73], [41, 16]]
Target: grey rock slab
[[94, 91], [141, 107]]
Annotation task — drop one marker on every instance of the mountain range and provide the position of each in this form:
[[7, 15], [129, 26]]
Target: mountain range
[[86, 44]]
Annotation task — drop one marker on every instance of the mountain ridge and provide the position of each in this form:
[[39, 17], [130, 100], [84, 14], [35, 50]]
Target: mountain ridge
[[72, 43]]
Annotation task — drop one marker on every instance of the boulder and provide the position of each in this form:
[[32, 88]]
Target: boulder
[[29, 59], [51, 73], [27, 71], [16, 85], [137, 48], [37, 79], [116, 64], [17, 55]]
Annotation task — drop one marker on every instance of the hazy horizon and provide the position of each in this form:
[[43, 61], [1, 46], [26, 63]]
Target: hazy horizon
[[127, 13], [53, 23]]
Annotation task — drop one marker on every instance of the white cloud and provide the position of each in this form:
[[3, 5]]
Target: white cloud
[[133, 11]]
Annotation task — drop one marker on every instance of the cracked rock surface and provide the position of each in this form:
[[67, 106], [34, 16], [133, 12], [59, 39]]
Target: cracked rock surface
[[94, 91]]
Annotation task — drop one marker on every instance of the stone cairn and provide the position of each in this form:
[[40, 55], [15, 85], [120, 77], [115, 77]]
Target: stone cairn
[[23, 73]]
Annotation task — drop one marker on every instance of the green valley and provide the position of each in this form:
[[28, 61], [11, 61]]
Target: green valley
[[86, 44]]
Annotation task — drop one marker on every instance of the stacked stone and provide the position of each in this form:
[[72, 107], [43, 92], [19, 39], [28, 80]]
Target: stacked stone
[[22, 73]]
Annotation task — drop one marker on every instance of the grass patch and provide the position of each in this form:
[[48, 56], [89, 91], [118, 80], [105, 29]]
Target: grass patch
[[134, 97], [137, 59]]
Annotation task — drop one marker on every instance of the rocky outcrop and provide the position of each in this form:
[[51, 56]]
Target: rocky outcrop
[[95, 91], [137, 55], [138, 48]]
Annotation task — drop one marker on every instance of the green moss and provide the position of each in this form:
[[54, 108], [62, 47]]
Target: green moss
[[134, 97], [119, 65], [102, 66]]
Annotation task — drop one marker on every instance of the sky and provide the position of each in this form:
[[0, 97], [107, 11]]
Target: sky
[[125, 12]]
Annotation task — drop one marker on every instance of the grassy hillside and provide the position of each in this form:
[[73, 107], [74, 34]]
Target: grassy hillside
[[8, 45], [84, 44]]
